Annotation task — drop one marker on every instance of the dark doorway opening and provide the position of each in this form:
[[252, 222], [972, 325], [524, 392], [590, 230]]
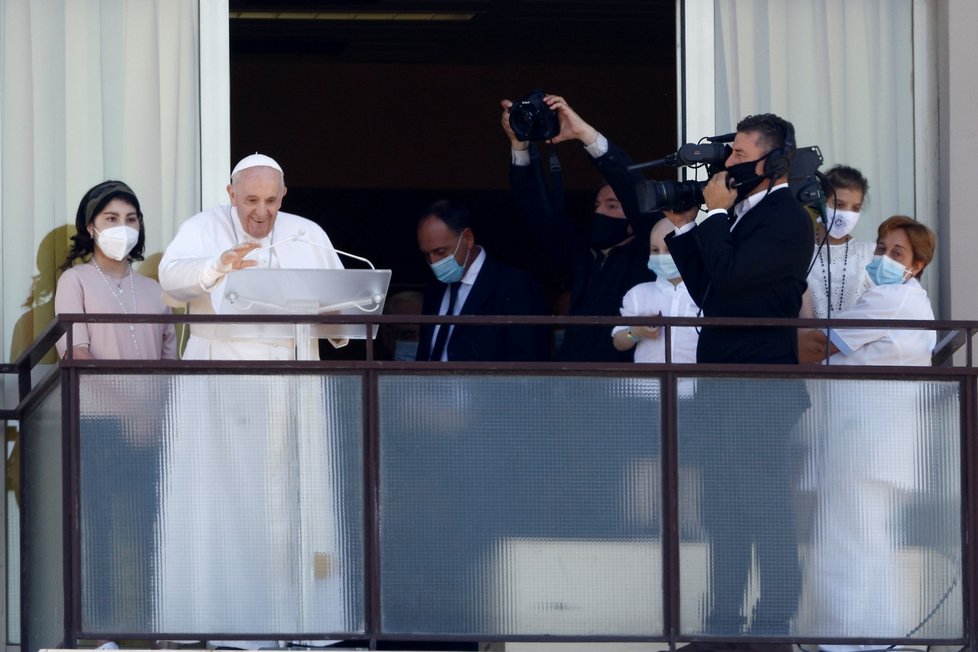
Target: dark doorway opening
[[377, 108]]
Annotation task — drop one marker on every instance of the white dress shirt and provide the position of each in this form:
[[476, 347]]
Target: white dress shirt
[[886, 346], [655, 298]]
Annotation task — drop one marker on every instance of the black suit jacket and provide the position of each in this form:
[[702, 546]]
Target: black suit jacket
[[498, 290], [756, 270]]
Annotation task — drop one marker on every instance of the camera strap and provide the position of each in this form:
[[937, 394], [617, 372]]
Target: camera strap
[[556, 184]]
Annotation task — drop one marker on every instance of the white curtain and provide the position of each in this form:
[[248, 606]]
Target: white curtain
[[90, 90], [842, 72]]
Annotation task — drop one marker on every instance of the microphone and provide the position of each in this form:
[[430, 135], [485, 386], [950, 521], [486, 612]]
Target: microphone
[[272, 246], [302, 232], [299, 236], [692, 153], [733, 183], [650, 164], [689, 154]]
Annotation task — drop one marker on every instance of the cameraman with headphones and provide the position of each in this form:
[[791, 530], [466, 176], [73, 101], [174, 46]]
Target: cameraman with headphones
[[748, 258]]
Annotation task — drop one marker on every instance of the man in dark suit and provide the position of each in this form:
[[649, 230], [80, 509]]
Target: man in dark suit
[[471, 283], [749, 258], [467, 282]]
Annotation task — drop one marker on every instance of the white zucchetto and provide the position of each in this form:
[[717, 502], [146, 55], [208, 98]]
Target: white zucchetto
[[256, 160]]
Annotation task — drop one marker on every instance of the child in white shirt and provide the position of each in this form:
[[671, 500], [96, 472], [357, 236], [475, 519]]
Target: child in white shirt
[[666, 296]]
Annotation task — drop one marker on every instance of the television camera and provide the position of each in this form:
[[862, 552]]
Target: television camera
[[682, 195]]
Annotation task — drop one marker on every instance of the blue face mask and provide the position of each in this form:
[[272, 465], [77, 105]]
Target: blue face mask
[[663, 266], [447, 270], [883, 270]]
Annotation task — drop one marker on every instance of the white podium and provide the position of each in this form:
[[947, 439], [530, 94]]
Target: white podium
[[303, 292]]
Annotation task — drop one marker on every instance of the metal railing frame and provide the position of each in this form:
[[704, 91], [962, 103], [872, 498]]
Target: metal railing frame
[[960, 335]]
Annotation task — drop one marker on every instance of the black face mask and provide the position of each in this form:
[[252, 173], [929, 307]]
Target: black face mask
[[606, 231], [744, 178]]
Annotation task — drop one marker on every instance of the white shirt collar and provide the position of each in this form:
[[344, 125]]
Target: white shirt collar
[[465, 286], [473, 271], [666, 284], [753, 200]]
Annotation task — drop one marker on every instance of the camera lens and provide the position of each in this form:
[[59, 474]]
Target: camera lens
[[521, 118], [532, 119], [669, 195]]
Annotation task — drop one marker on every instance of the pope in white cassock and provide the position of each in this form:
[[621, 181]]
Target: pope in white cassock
[[248, 232], [248, 537]]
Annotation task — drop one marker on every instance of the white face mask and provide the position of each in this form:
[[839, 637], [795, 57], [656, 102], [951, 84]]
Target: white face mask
[[841, 223], [116, 242]]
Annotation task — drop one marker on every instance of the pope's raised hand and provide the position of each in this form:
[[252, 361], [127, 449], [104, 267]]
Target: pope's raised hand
[[234, 258]]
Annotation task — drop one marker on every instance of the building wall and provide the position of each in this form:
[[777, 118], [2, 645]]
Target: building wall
[[958, 143]]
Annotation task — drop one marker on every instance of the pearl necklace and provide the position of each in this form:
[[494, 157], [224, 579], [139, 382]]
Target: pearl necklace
[[117, 294], [825, 276]]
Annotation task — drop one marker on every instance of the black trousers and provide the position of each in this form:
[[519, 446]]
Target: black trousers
[[741, 436]]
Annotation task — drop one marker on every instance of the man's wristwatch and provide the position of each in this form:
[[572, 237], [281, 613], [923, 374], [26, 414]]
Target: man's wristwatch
[[630, 336]]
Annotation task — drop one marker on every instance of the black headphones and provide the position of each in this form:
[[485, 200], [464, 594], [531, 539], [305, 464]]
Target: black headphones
[[778, 160]]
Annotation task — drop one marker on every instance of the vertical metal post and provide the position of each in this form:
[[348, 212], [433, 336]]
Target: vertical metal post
[[71, 453], [369, 341], [968, 347], [371, 479], [670, 506], [969, 507]]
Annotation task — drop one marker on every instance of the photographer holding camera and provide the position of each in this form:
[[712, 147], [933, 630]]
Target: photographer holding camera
[[599, 269], [749, 258]]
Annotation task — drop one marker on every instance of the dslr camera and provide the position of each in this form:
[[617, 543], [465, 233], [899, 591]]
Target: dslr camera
[[531, 119]]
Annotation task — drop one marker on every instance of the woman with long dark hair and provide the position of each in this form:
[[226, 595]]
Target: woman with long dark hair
[[110, 237], [119, 416]]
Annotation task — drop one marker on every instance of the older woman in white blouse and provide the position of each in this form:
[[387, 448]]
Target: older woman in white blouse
[[903, 249], [864, 462]]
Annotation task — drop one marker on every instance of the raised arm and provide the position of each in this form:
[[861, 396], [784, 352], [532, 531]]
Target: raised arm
[[611, 161], [551, 230], [190, 268]]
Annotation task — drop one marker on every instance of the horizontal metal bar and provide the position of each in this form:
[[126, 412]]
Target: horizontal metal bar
[[273, 367], [556, 320]]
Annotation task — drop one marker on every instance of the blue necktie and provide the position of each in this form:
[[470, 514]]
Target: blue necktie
[[442, 338]]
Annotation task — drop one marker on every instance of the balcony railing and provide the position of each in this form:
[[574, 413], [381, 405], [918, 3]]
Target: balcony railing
[[378, 500]]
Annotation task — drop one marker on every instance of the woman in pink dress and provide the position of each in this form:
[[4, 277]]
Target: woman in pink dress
[[110, 237], [119, 415]]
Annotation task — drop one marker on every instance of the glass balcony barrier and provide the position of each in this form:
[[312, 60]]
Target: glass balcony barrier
[[378, 500]]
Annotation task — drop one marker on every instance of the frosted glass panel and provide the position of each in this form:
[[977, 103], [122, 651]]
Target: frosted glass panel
[[517, 505], [738, 434], [44, 500], [826, 508], [221, 504], [883, 474]]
